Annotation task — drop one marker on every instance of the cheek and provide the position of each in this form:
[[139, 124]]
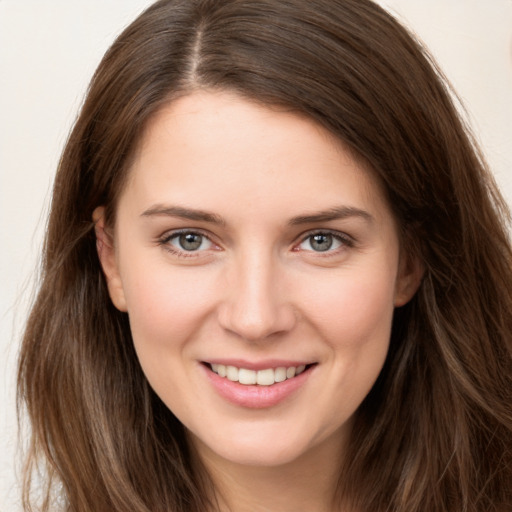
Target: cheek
[[353, 315], [356, 308], [167, 309], [354, 320], [165, 305]]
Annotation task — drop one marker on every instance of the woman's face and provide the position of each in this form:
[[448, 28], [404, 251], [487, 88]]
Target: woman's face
[[248, 242]]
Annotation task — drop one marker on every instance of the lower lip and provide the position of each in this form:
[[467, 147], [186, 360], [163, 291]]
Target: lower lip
[[256, 397]]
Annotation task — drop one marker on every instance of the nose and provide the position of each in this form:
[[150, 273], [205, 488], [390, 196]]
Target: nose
[[255, 306]]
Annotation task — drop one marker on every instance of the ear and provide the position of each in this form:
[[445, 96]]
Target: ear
[[107, 257], [410, 274]]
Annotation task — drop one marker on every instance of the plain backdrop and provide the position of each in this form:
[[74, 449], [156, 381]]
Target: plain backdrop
[[48, 52]]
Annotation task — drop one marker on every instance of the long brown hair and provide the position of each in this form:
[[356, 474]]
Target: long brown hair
[[435, 432]]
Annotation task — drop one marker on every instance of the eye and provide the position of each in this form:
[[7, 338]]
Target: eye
[[188, 241], [324, 242]]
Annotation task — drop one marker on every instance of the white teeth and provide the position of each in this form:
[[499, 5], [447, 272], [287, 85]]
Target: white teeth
[[265, 377], [246, 376], [290, 372], [280, 374], [232, 373]]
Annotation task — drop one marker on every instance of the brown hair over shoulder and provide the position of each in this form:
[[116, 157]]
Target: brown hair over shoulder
[[435, 432]]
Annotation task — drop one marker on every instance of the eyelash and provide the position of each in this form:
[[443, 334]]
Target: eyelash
[[165, 240], [345, 241]]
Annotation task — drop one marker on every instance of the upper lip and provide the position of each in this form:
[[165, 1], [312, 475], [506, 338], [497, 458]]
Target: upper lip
[[259, 365]]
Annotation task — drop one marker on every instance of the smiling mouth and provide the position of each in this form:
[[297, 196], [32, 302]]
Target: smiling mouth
[[265, 377]]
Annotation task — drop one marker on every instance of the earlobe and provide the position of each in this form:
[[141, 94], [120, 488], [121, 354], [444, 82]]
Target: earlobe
[[107, 257], [410, 275]]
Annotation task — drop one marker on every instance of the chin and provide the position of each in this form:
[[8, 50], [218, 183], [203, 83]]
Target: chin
[[266, 448], [256, 456]]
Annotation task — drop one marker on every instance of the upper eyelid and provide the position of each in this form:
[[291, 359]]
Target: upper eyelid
[[346, 242], [164, 241], [168, 235], [337, 234]]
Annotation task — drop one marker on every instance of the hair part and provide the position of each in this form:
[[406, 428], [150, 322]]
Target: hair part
[[435, 432]]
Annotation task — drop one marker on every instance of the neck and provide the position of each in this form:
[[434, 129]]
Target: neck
[[307, 483]]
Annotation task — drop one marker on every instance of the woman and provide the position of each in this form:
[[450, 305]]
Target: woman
[[276, 276]]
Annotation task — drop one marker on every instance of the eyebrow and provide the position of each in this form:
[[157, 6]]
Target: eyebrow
[[341, 212], [184, 213]]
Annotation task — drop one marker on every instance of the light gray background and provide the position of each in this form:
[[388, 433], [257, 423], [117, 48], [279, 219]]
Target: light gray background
[[50, 48]]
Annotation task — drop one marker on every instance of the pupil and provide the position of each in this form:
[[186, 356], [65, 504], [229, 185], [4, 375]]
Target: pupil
[[190, 241], [321, 242]]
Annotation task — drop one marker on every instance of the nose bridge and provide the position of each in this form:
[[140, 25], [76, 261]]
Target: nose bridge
[[256, 307]]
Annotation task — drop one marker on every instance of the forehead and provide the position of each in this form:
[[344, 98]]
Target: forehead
[[209, 146]]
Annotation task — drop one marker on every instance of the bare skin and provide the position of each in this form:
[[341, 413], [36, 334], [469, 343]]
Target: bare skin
[[306, 484], [248, 240]]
